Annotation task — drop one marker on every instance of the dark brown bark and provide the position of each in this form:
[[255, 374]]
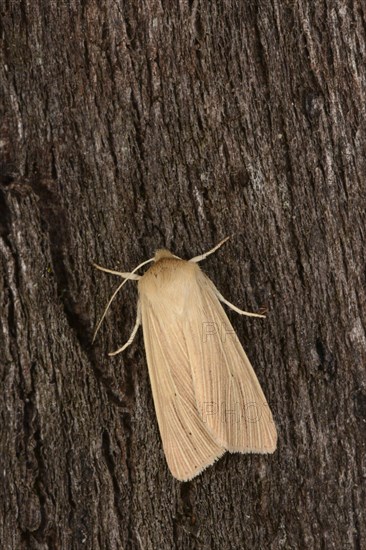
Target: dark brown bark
[[131, 125]]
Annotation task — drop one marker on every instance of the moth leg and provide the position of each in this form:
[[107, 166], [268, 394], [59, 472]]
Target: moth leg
[[234, 308], [124, 275], [197, 259], [108, 305], [133, 333]]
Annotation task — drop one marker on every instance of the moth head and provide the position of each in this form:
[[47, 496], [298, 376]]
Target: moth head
[[163, 253]]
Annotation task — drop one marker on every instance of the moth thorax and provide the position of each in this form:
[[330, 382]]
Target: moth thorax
[[162, 253]]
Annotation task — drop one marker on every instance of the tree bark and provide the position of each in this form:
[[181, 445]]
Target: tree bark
[[128, 126]]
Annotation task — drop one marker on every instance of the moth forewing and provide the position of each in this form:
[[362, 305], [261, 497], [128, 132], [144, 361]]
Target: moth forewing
[[206, 395], [232, 402], [188, 444]]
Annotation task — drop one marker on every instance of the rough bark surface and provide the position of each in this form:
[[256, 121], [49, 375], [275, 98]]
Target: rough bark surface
[[127, 126]]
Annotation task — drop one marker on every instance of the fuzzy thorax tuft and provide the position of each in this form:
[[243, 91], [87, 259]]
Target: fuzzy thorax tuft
[[163, 253]]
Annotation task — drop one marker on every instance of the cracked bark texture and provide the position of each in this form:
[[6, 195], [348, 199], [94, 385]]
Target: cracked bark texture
[[127, 126]]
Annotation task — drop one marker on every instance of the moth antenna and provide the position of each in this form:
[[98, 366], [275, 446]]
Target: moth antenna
[[124, 275], [197, 259], [133, 333], [116, 292], [234, 308]]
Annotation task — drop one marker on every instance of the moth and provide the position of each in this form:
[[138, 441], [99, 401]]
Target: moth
[[207, 397]]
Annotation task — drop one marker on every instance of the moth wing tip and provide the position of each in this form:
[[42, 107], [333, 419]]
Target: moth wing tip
[[199, 469], [263, 451]]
